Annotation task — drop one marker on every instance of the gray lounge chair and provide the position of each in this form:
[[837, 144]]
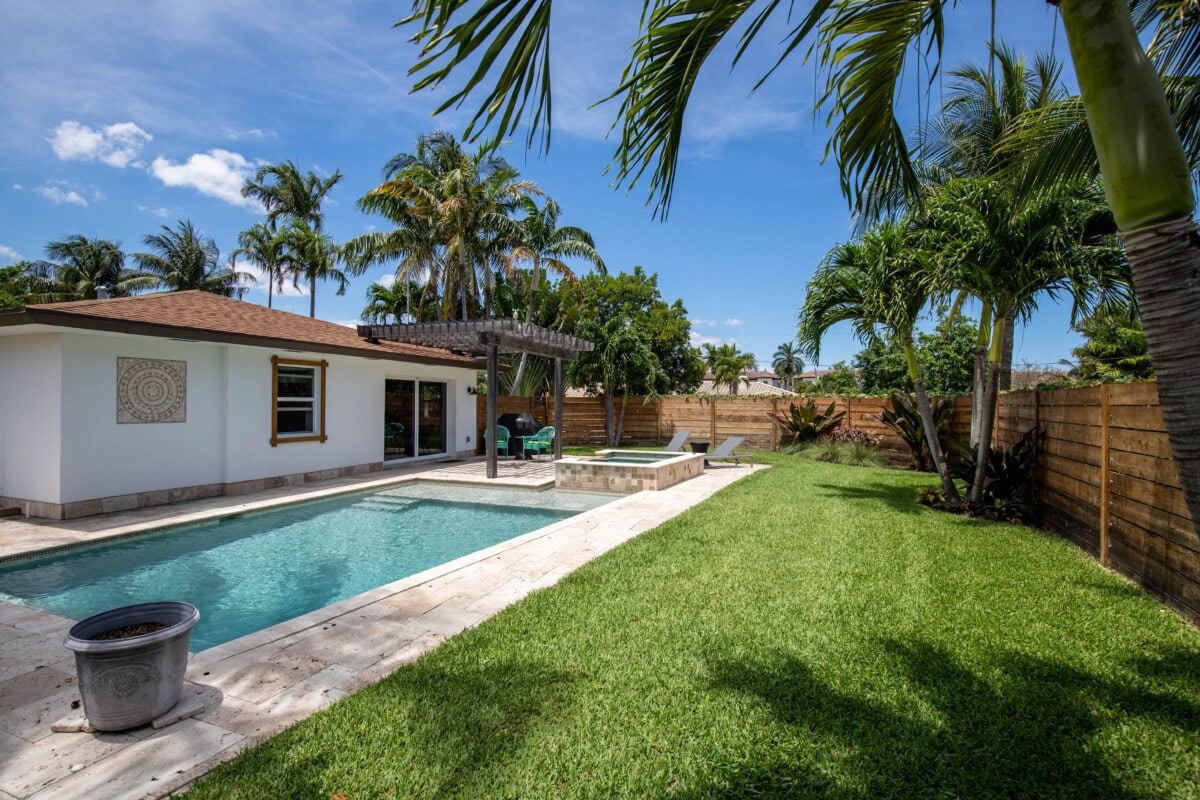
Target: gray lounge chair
[[725, 452], [677, 441]]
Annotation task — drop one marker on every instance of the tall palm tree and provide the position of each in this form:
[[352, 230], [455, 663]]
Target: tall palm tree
[[82, 267], [182, 258], [864, 48], [452, 210], [264, 247], [787, 363], [543, 244], [1009, 254], [880, 281], [313, 256], [287, 194]]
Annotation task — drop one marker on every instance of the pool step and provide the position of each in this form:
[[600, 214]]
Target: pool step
[[386, 503]]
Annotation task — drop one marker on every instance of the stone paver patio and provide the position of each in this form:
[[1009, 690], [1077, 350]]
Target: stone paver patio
[[256, 686]]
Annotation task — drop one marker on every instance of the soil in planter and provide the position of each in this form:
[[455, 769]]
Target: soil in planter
[[129, 631]]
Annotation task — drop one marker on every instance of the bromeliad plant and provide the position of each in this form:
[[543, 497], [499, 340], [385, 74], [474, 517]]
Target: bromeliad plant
[[904, 420], [804, 424]]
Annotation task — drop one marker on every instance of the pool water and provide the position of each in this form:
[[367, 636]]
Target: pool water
[[252, 571], [635, 457]]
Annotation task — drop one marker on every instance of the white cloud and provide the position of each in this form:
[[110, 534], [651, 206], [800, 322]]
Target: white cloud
[[64, 192], [701, 322], [386, 279], [698, 340], [235, 135], [217, 173], [158, 212], [348, 323], [732, 322], [18, 187], [117, 145], [9, 254]]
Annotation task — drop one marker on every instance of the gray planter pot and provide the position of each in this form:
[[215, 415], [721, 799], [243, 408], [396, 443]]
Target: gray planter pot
[[129, 682]]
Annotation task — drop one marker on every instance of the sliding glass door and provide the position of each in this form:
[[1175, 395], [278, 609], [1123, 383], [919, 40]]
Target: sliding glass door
[[414, 419]]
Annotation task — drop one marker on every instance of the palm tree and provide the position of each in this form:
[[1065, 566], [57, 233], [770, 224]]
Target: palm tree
[[542, 244], [452, 210], [84, 266], [289, 195], [727, 364], [313, 256], [399, 299], [787, 363], [182, 259], [864, 48], [1009, 254], [880, 281], [265, 248]]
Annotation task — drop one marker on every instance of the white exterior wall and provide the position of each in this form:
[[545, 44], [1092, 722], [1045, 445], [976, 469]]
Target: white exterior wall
[[30, 415], [61, 442]]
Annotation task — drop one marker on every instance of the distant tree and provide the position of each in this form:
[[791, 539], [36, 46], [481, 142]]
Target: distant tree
[[287, 194], [621, 365], [265, 248], [787, 363], [946, 355], [840, 380], [727, 364], [634, 296], [183, 259], [82, 266], [20, 284], [313, 256], [1115, 349], [390, 303]]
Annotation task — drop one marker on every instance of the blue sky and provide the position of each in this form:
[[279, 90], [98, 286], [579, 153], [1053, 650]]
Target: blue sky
[[124, 116]]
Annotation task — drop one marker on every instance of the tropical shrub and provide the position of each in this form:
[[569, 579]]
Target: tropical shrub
[[904, 420], [806, 423], [852, 435], [1007, 492], [850, 452]]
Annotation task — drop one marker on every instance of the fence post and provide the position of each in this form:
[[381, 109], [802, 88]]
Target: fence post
[[658, 420], [1104, 497]]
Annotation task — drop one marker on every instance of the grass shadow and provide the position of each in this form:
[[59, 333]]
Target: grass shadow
[[897, 498], [1027, 731], [455, 722]]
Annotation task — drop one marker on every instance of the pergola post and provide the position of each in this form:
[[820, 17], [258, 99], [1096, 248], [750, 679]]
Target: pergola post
[[493, 389], [558, 410]]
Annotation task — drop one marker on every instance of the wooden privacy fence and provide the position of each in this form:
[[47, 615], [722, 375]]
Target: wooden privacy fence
[[1105, 476]]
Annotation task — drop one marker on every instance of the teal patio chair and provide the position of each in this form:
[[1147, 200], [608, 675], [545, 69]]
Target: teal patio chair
[[540, 442], [501, 441]]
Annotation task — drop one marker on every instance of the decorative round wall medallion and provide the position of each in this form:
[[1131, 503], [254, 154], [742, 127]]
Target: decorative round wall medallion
[[151, 390]]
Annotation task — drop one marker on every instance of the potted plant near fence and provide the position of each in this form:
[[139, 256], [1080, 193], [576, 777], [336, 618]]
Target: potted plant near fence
[[131, 662]]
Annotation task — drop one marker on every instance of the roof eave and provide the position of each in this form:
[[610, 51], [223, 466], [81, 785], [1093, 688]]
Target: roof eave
[[75, 320]]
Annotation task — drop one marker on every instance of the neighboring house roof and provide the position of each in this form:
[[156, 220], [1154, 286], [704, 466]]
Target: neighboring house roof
[[813, 374], [751, 389], [759, 374], [207, 317]]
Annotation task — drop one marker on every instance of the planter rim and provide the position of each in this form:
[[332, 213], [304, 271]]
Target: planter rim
[[179, 618]]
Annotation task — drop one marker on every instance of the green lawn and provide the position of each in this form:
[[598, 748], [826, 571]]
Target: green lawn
[[808, 632]]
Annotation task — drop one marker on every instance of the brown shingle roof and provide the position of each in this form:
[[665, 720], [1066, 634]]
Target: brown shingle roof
[[209, 317], [751, 389]]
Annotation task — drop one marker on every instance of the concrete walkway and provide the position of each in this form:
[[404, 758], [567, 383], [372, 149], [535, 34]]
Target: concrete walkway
[[256, 686]]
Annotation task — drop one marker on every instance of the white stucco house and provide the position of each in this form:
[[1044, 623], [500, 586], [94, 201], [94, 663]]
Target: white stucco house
[[114, 404]]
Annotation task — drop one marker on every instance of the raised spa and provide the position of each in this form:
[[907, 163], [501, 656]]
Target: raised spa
[[626, 471]]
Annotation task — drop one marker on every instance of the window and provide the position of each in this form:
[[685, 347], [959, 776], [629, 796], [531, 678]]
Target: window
[[298, 400]]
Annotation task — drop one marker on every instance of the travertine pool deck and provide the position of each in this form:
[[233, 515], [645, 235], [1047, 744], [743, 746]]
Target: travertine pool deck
[[256, 686]]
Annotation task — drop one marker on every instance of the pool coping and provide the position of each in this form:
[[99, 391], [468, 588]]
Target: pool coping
[[263, 682]]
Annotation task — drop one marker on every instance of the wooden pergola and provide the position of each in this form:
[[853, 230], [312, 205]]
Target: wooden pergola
[[490, 338]]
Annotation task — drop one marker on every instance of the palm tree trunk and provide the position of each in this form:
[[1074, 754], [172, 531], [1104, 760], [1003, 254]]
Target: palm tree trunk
[[621, 421], [1006, 352], [1149, 188], [926, 409], [979, 382], [312, 295], [608, 417], [270, 285], [988, 416]]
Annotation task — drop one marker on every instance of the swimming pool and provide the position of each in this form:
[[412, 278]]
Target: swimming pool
[[252, 571]]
